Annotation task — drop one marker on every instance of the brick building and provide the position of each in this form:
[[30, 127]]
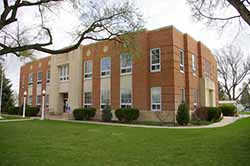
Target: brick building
[[170, 67]]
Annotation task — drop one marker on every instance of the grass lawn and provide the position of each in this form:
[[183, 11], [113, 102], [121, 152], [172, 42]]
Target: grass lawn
[[51, 143], [245, 113]]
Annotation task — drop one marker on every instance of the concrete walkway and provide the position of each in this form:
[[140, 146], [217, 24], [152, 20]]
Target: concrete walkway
[[224, 122], [14, 120]]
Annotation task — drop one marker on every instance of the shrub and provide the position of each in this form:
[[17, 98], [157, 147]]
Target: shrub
[[200, 114], [84, 113], [107, 114], [127, 114], [78, 114], [214, 113], [228, 110], [183, 114], [13, 110], [31, 111]]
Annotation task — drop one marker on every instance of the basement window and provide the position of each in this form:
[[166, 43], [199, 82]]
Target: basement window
[[155, 99]]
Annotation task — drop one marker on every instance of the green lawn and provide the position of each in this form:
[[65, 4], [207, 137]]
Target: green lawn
[[245, 113], [51, 143]]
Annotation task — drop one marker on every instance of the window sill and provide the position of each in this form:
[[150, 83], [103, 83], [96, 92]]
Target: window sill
[[107, 76], [87, 78], [181, 71], [155, 71], [125, 74]]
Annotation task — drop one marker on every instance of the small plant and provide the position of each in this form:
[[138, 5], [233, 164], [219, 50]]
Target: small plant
[[84, 113], [228, 110], [32, 111], [107, 114], [127, 114], [214, 113], [13, 110], [182, 114]]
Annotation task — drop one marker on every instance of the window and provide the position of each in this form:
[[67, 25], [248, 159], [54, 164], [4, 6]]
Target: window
[[156, 99], [207, 69], [182, 61], [64, 72], [29, 102], [126, 98], [87, 99], [183, 99], [194, 63], [195, 96], [48, 76], [30, 81], [105, 66], [88, 67], [38, 100], [105, 98], [47, 101], [155, 56], [39, 77], [126, 63]]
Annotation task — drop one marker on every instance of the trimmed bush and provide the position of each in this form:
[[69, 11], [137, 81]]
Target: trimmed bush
[[84, 113], [13, 110], [78, 114], [31, 111], [228, 110], [183, 114], [214, 113], [127, 114], [107, 114]]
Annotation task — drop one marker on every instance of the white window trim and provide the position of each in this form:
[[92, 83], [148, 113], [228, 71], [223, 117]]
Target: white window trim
[[30, 82], [182, 65], [84, 102], [101, 99], [127, 67], [90, 73], [151, 65], [39, 81], [108, 70], [183, 90], [128, 104], [194, 64], [151, 99], [48, 79], [64, 78]]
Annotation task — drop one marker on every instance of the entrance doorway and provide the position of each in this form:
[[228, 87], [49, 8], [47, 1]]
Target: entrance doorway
[[65, 101]]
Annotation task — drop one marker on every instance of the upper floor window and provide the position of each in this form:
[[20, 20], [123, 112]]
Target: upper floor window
[[48, 76], [39, 77], [105, 66], [88, 67], [30, 81], [126, 98], [207, 69], [182, 60], [155, 59], [194, 63], [64, 72], [126, 63], [156, 99]]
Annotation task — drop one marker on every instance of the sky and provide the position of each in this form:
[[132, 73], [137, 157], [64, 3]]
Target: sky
[[156, 13]]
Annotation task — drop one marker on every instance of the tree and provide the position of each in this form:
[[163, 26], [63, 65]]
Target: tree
[[221, 93], [7, 93], [218, 11], [98, 20], [233, 69], [245, 97]]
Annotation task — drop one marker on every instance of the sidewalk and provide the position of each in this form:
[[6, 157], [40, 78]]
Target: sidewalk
[[224, 122], [14, 120]]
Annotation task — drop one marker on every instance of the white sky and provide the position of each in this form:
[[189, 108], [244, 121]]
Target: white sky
[[157, 13]]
